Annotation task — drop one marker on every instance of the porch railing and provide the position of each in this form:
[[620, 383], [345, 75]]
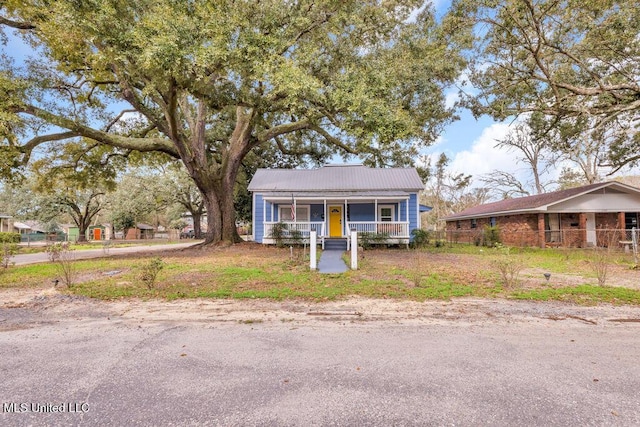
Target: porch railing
[[392, 229], [303, 228]]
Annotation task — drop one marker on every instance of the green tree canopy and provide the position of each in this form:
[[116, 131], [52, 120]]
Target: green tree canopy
[[210, 81], [566, 59]]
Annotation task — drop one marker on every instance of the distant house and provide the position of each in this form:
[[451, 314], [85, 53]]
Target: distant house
[[35, 231], [21, 227], [336, 199], [140, 231], [580, 217]]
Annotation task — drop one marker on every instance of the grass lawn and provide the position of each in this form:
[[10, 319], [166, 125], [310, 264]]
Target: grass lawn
[[250, 270]]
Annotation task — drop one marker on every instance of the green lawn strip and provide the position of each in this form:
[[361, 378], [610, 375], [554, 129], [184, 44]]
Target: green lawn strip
[[27, 276], [583, 294], [278, 277]]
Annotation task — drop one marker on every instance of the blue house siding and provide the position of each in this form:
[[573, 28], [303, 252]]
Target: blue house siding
[[361, 212], [413, 213], [258, 217]]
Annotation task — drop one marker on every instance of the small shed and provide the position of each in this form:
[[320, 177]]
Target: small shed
[[140, 232]]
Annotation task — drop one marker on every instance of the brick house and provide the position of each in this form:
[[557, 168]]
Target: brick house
[[592, 215]]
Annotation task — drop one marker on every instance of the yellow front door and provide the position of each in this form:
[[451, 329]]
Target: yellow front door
[[335, 221]]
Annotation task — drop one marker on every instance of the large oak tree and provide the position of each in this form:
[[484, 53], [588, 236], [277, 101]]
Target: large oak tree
[[210, 81]]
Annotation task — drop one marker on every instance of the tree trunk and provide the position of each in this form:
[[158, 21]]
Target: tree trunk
[[83, 224], [221, 217], [197, 224], [216, 182]]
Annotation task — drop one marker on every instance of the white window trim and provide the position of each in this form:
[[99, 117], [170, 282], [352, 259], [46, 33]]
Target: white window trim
[[393, 212], [298, 207]]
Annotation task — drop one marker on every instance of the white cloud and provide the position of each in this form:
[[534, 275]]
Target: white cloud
[[451, 97], [482, 157]]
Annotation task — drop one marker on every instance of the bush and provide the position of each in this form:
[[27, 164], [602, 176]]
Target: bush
[[278, 233], [7, 251], [491, 236], [9, 237], [149, 272], [508, 266], [62, 254], [420, 238], [368, 239]]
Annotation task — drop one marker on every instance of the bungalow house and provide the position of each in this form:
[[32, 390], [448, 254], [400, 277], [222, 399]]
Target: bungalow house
[[591, 215], [334, 200]]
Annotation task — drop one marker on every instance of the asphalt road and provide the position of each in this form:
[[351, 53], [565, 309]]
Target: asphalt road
[[98, 253], [113, 368]]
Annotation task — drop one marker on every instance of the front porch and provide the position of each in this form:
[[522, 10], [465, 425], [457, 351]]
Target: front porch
[[377, 232]]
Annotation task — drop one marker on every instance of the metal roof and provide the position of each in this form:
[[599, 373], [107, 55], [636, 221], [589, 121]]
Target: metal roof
[[538, 202], [334, 194], [336, 178]]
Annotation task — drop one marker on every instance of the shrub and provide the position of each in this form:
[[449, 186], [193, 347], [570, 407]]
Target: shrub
[[420, 237], [63, 256], [149, 272], [7, 251], [508, 266], [491, 236], [9, 237], [278, 233], [367, 239]]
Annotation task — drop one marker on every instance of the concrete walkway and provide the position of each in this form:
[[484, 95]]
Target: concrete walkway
[[331, 262]]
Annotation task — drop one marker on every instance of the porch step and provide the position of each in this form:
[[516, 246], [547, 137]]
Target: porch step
[[335, 244]]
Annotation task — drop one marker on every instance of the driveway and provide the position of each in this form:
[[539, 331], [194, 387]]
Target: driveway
[[98, 253], [72, 361]]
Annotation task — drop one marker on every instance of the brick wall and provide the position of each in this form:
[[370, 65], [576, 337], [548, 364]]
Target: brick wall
[[522, 230]]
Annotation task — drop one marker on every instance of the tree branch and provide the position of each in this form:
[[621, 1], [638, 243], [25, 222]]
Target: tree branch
[[16, 24], [282, 129], [332, 139], [127, 143]]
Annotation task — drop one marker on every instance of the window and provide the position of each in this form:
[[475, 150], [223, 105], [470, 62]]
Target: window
[[474, 223], [302, 213], [386, 213], [492, 221], [458, 226]]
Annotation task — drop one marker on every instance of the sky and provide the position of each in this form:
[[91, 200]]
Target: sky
[[469, 143]]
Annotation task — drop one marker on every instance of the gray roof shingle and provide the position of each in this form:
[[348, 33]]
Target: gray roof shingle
[[336, 178]]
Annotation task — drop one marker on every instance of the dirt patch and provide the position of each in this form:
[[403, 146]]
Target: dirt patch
[[26, 308]]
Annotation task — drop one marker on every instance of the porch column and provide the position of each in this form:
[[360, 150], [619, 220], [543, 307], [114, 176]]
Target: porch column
[[541, 237], [582, 225], [345, 230], [264, 210], [326, 218], [621, 223], [375, 210], [406, 218]]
